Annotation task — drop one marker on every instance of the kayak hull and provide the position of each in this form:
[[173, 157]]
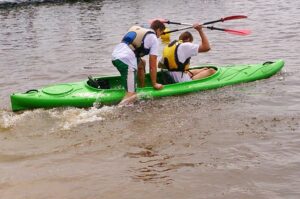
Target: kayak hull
[[84, 94]]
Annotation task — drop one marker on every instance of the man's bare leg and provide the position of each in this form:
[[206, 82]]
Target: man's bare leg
[[141, 73], [203, 73]]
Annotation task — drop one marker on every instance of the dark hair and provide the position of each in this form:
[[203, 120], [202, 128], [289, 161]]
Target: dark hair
[[155, 25], [186, 36]]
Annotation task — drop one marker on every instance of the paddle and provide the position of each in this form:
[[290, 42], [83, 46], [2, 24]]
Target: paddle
[[234, 32], [206, 23]]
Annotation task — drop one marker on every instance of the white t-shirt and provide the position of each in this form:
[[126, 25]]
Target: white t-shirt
[[184, 51], [187, 50], [126, 55]]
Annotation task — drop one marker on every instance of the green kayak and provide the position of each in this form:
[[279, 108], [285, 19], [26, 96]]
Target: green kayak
[[107, 90]]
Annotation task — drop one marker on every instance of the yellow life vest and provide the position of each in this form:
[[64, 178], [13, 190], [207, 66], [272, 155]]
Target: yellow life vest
[[170, 57], [135, 40]]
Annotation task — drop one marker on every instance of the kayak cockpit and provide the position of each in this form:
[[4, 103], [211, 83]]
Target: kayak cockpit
[[164, 78], [114, 82]]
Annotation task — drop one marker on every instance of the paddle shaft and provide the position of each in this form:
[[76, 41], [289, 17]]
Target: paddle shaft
[[176, 30], [187, 24], [191, 26], [210, 27]]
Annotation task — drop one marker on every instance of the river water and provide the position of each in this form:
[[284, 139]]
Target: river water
[[239, 141]]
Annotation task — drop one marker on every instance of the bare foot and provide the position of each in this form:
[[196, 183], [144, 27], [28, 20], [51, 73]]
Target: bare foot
[[128, 100]]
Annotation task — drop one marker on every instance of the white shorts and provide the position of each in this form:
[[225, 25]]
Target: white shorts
[[178, 76]]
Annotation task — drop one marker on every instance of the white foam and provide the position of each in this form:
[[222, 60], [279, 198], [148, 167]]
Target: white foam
[[20, 1], [9, 119], [65, 118], [73, 117]]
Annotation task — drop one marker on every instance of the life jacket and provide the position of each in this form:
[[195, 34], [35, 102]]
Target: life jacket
[[135, 37], [170, 57]]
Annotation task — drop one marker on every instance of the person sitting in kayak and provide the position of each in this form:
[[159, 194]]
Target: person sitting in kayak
[[126, 57], [176, 57]]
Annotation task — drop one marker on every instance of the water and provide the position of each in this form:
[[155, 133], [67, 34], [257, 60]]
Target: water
[[240, 141]]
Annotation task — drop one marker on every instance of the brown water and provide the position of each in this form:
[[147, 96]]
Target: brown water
[[240, 141]]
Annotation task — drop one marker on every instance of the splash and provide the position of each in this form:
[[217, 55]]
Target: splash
[[8, 2], [11, 2], [144, 95], [9, 119], [59, 118], [73, 117]]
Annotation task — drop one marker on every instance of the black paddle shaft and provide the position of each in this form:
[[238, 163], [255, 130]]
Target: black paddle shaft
[[215, 21]]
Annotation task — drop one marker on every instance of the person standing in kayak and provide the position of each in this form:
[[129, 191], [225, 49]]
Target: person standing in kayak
[[176, 57], [126, 57]]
